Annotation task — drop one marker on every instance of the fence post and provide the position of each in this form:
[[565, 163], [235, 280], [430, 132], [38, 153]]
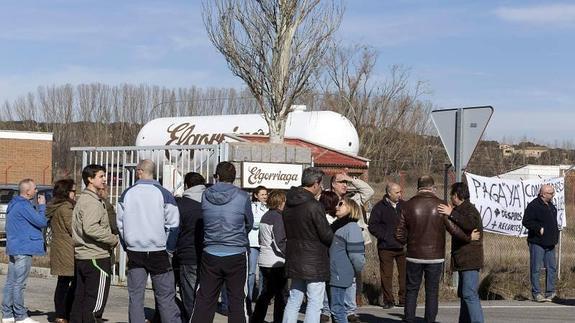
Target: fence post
[[445, 181], [559, 258]]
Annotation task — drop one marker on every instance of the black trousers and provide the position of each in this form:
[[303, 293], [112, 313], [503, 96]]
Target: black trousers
[[214, 272], [415, 273], [92, 287], [64, 296], [274, 287]]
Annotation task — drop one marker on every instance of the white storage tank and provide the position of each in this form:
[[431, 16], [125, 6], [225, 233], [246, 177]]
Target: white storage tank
[[326, 128]]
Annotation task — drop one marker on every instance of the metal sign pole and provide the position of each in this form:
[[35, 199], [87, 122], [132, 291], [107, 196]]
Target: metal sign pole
[[458, 143], [457, 166]]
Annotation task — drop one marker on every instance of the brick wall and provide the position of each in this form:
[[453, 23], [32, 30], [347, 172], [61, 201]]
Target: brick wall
[[23, 158]]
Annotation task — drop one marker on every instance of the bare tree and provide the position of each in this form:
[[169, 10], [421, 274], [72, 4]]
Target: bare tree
[[274, 46], [388, 114]]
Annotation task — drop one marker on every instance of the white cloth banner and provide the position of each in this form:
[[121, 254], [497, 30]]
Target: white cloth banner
[[502, 202]]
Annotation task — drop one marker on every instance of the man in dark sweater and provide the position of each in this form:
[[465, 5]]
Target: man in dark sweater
[[541, 220], [382, 224], [190, 239]]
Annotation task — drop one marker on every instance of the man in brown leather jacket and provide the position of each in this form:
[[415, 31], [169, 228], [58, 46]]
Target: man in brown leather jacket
[[422, 228]]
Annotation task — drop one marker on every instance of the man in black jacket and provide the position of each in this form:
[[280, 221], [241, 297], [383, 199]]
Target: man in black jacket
[[190, 239], [541, 220], [308, 240], [382, 224]]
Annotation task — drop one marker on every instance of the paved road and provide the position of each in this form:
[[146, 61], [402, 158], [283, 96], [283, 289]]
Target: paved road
[[39, 301]]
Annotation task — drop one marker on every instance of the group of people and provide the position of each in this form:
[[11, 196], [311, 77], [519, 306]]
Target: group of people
[[84, 235], [287, 236], [215, 240], [411, 234]]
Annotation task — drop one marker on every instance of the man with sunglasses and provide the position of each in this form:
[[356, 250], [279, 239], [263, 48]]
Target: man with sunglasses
[[361, 193]]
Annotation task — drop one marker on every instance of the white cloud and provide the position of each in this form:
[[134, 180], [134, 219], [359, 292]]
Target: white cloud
[[553, 14]]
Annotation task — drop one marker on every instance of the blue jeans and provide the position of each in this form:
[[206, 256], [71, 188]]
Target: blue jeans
[[13, 301], [470, 309], [350, 301], [545, 255], [338, 308], [314, 291]]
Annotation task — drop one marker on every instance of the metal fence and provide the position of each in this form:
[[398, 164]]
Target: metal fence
[[172, 163]]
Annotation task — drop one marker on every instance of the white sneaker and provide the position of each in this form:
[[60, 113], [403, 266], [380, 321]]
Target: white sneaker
[[8, 320], [27, 320]]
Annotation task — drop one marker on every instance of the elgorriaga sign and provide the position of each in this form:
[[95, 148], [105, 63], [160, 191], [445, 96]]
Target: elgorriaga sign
[[502, 202], [271, 175]]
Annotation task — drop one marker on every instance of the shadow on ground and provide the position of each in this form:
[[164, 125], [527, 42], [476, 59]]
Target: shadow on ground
[[369, 318]]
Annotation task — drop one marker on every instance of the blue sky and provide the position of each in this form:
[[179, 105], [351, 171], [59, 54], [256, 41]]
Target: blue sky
[[514, 55]]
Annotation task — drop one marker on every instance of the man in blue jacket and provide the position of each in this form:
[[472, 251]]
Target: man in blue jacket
[[148, 221], [24, 239], [228, 219]]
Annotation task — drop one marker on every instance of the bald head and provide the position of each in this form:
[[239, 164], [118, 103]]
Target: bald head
[[146, 169], [393, 192], [27, 188], [546, 192]]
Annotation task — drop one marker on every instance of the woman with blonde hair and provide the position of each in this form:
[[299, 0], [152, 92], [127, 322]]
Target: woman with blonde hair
[[347, 255]]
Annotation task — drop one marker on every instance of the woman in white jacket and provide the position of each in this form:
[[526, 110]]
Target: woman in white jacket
[[272, 260], [259, 208]]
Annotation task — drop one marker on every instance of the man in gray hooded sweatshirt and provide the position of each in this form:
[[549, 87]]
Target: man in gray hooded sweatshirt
[[228, 218]]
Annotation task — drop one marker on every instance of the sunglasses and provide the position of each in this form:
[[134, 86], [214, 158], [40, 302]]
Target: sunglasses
[[340, 204], [341, 182]]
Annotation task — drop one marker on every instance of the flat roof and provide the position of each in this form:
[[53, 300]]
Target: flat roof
[[26, 135]]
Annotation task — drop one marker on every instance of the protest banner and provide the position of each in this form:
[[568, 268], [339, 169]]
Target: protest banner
[[502, 202]]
